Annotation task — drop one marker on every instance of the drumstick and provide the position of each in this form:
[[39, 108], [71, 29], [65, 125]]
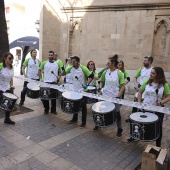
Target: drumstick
[[157, 94], [78, 80], [55, 75]]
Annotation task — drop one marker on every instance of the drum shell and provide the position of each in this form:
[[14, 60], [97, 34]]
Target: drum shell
[[47, 93], [10, 105], [70, 106], [106, 119], [149, 131], [91, 100], [33, 94]]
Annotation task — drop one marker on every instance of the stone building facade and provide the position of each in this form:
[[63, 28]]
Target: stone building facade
[[94, 29]]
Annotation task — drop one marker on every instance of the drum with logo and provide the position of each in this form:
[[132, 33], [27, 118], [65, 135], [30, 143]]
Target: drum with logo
[[144, 126], [33, 90], [7, 101], [91, 89], [71, 102], [63, 87], [104, 113], [47, 93]]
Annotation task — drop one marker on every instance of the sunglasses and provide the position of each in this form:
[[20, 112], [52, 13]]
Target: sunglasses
[[10, 58]]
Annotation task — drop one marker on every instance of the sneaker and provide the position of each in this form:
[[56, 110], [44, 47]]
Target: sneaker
[[9, 121], [21, 103], [55, 113], [130, 140], [119, 132], [82, 125], [72, 121], [96, 128], [127, 120]]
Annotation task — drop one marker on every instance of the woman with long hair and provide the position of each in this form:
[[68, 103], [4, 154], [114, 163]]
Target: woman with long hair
[[156, 92], [6, 80], [91, 66], [113, 84]]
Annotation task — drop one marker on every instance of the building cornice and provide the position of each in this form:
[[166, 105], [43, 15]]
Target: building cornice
[[120, 7]]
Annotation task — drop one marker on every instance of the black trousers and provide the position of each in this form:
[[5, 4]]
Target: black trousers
[[161, 117], [24, 91], [84, 111], [46, 103], [7, 113]]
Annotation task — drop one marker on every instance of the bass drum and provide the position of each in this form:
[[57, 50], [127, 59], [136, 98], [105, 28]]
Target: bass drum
[[33, 91], [104, 114], [71, 102], [7, 101], [144, 126]]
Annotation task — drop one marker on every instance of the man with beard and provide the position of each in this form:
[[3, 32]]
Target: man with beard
[[50, 69]]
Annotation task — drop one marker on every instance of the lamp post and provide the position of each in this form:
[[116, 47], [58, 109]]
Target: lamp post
[[37, 25]]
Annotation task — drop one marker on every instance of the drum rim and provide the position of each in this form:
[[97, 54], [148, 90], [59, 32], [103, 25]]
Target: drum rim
[[10, 94], [72, 99]]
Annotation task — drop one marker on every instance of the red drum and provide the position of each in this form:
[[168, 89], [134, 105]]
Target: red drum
[[144, 126], [33, 90], [71, 102], [104, 114], [7, 101]]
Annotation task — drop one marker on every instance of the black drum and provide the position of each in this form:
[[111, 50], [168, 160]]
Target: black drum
[[33, 90], [104, 113], [91, 89], [71, 102], [7, 101], [63, 87], [47, 93], [144, 126]]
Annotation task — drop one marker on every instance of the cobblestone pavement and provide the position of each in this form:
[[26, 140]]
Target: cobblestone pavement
[[47, 142]]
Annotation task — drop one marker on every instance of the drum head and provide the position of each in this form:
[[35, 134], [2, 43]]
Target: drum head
[[72, 96], [91, 88], [103, 107], [9, 95], [33, 86], [144, 117], [67, 86]]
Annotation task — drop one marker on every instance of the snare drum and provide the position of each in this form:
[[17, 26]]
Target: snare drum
[[47, 93], [144, 126], [91, 89], [33, 90], [104, 113], [71, 102], [63, 87], [7, 101]]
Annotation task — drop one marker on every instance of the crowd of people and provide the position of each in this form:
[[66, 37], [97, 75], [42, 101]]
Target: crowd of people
[[110, 82]]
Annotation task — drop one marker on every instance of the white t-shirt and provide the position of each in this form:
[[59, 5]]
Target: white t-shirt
[[48, 68], [144, 75], [111, 87], [32, 69], [6, 75]]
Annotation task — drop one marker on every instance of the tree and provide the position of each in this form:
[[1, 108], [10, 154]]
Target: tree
[[4, 43]]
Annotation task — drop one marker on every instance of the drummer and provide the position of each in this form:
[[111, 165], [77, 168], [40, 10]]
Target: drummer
[[84, 78], [120, 66], [32, 64], [6, 80], [157, 93], [91, 66], [113, 84], [143, 73], [50, 69]]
